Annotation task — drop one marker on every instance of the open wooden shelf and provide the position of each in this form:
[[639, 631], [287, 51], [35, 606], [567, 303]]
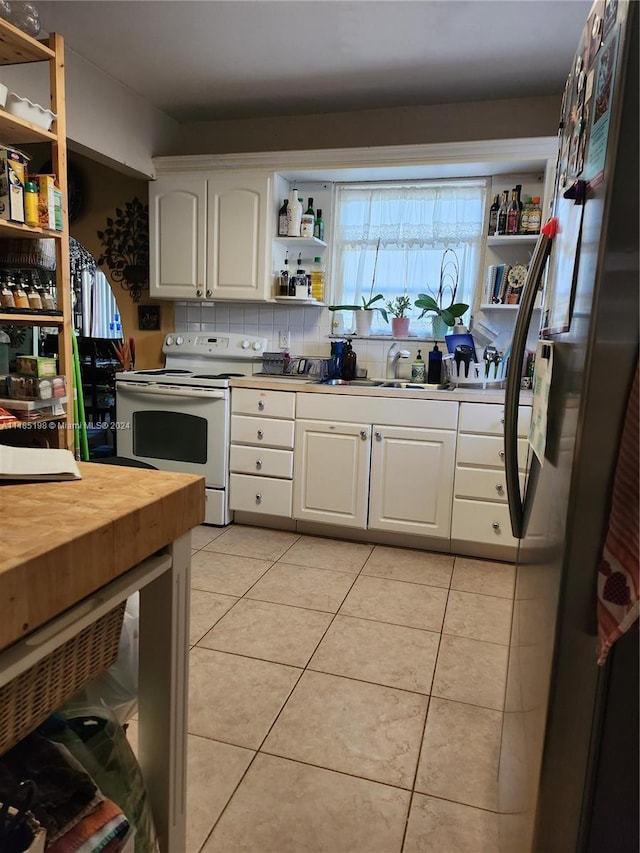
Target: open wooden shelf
[[17, 47]]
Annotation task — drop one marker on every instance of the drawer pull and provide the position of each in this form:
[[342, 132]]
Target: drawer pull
[[259, 466], [495, 525], [499, 488], [363, 434], [261, 405], [258, 498], [260, 434], [378, 436], [501, 454]]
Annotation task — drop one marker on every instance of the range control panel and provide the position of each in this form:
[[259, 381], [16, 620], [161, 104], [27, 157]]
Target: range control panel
[[216, 344]]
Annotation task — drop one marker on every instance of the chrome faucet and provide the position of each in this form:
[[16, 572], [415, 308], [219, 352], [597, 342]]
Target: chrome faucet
[[393, 357]]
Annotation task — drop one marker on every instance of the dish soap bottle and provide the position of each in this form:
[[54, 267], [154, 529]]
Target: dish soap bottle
[[417, 369], [434, 373]]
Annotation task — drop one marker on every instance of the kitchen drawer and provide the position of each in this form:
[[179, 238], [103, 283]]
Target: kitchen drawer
[[261, 461], [267, 432], [269, 404], [260, 494], [489, 418], [476, 521], [482, 484], [487, 451]]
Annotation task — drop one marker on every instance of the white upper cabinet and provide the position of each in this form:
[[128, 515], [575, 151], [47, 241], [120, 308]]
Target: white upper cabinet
[[177, 237], [239, 225], [208, 236]]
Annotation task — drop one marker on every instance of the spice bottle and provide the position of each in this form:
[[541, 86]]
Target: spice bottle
[[48, 302], [20, 295], [33, 295]]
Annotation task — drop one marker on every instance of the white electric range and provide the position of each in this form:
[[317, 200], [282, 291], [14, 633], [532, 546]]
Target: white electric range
[[178, 418]]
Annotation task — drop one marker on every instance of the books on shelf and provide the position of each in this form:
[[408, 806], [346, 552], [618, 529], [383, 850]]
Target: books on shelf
[[37, 463], [498, 291]]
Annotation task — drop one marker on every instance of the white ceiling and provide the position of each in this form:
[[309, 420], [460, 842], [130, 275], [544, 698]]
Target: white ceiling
[[213, 59]]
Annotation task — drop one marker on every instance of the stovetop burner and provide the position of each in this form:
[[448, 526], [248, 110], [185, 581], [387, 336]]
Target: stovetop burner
[[216, 375], [164, 372]]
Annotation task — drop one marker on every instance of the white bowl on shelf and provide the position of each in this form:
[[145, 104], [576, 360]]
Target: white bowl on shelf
[[3, 95], [25, 109]]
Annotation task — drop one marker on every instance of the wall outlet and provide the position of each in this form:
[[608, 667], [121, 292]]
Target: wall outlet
[[284, 339]]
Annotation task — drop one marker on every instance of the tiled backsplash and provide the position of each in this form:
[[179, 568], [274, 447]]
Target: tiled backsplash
[[308, 328]]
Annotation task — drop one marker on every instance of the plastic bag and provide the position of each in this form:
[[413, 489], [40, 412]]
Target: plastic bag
[[95, 738], [117, 687]]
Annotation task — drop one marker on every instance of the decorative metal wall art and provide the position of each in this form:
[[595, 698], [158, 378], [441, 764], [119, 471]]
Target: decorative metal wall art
[[126, 247]]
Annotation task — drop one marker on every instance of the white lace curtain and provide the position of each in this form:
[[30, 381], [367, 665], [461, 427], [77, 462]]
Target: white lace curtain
[[409, 227]]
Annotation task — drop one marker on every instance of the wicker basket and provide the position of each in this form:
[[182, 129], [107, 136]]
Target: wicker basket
[[31, 697]]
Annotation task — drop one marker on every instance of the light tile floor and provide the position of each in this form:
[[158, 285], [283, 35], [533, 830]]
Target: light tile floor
[[344, 697]]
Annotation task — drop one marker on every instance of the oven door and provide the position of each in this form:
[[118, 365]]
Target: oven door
[[175, 428]]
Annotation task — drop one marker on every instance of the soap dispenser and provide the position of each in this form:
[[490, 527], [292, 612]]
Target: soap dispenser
[[434, 373], [417, 369]]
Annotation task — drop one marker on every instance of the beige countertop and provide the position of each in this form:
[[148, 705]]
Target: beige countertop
[[461, 395]]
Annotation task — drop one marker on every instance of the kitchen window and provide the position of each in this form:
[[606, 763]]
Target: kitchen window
[[403, 231]]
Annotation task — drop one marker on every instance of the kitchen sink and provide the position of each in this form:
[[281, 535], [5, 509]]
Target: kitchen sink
[[417, 386], [357, 383]]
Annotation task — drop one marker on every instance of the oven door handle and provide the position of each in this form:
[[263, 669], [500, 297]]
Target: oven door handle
[[170, 391]]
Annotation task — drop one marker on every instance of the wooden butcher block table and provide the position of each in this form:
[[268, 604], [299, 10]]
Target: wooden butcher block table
[[71, 553]]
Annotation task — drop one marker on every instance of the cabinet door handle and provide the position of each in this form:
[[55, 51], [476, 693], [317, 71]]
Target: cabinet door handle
[[501, 454], [499, 488], [261, 405], [260, 434], [258, 498], [259, 466], [209, 292], [495, 525], [501, 420], [378, 436], [199, 291], [363, 434]]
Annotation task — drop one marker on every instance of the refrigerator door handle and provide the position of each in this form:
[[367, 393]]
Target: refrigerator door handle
[[512, 394]]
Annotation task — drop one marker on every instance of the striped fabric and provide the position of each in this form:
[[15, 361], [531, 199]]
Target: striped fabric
[[618, 594]]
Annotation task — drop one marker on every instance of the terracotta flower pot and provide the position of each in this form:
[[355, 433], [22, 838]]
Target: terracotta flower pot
[[400, 327]]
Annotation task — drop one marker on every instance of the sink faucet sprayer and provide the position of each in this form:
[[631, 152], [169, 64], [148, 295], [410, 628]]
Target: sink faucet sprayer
[[393, 357]]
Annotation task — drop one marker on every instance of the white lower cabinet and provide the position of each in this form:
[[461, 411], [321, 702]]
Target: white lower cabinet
[[261, 453], [480, 511], [376, 473], [411, 482], [331, 482]]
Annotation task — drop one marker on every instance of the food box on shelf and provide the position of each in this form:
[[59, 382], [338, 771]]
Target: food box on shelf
[[13, 171], [36, 365], [37, 388], [46, 200]]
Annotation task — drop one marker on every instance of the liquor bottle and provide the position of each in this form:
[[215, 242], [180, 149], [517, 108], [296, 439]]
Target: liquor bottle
[[307, 221], [317, 279], [518, 189], [535, 216], [310, 207], [283, 223], [318, 225], [502, 213], [513, 214], [493, 215], [294, 214]]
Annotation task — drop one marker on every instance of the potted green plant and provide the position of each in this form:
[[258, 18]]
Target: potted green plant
[[442, 303], [364, 313], [398, 308]]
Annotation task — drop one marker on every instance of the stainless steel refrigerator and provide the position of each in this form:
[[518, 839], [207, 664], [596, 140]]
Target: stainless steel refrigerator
[[568, 777]]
